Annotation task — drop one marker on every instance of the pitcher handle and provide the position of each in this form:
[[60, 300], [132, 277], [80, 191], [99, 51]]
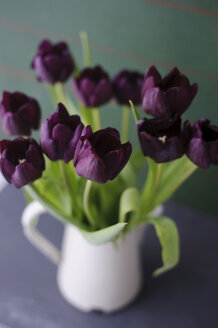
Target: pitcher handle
[[29, 223]]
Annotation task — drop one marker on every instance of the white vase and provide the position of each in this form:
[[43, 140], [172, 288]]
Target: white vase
[[104, 277]]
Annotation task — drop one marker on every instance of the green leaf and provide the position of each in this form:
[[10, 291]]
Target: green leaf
[[129, 202], [51, 208], [130, 172], [134, 111], [27, 196], [168, 235], [106, 198], [174, 174], [51, 191], [104, 235], [51, 186], [137, 160]]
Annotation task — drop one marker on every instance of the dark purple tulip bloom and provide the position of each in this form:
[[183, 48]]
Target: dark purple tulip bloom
[[203, 147], [166, 97], [20, 113], [21, 161], [53, 62], [59, 134], [93, 87], [160, 140], [127, 86], [100, 156]]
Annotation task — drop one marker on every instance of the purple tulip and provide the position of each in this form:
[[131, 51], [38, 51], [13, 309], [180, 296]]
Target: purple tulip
[[166, 97], [21, 161], [53, 62], [20, 113], [59, 134], [93, 87], [203, 146], [160, 140], [100, 156], [127, 86]]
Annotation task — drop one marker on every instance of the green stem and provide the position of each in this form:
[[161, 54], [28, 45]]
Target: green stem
[[125, 124], [86, 197], [57, 95], [85, 113], [60, 93], [52, 93], [64, 177], [86, 48], [76, 70], [149, 197], [96, 119]]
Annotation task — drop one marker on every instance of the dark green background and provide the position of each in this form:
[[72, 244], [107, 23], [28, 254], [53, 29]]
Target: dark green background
[[124, 34]]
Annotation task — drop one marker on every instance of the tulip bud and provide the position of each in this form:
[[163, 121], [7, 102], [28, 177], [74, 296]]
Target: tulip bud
[[100, 156], [59, 134], [162, 141], [203, 146], [127, 86], [93, 87], [20, 113], [166, 97], [53, 62], [21, 161]]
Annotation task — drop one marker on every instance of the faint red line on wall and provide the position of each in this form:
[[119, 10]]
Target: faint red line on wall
[[36, 31], [105, 49], [146, 60], [16, 73], [183, 7]]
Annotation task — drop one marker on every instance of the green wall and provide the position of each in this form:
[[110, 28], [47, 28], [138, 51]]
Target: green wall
[[130, 33]]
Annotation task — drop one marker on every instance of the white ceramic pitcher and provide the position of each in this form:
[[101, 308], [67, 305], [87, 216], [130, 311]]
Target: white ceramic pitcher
[[91, 277]]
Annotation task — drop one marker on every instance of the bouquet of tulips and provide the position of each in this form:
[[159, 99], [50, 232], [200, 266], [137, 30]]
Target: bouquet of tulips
[[89, 176]]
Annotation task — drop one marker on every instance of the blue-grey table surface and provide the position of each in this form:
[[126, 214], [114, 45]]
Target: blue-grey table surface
[[186, 297]]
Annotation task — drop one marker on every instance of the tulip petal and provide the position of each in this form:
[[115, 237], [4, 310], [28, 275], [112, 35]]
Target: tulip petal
[[197, 152], [117, 159], [127, 86], [12, 124], [102, 93], [174, 79], [61, 135], [33, 155], [152, 79], [53, 63], [24, 174], [30, 114], [86, 133], [167, 97], [79, 94], [20, 113], [162, 141], [179, 99], [47, 144], [7, 169], [70, 150], [4, 144], [152, 71], [155, 103], [92, 168], [105, 140], [93, 87]]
